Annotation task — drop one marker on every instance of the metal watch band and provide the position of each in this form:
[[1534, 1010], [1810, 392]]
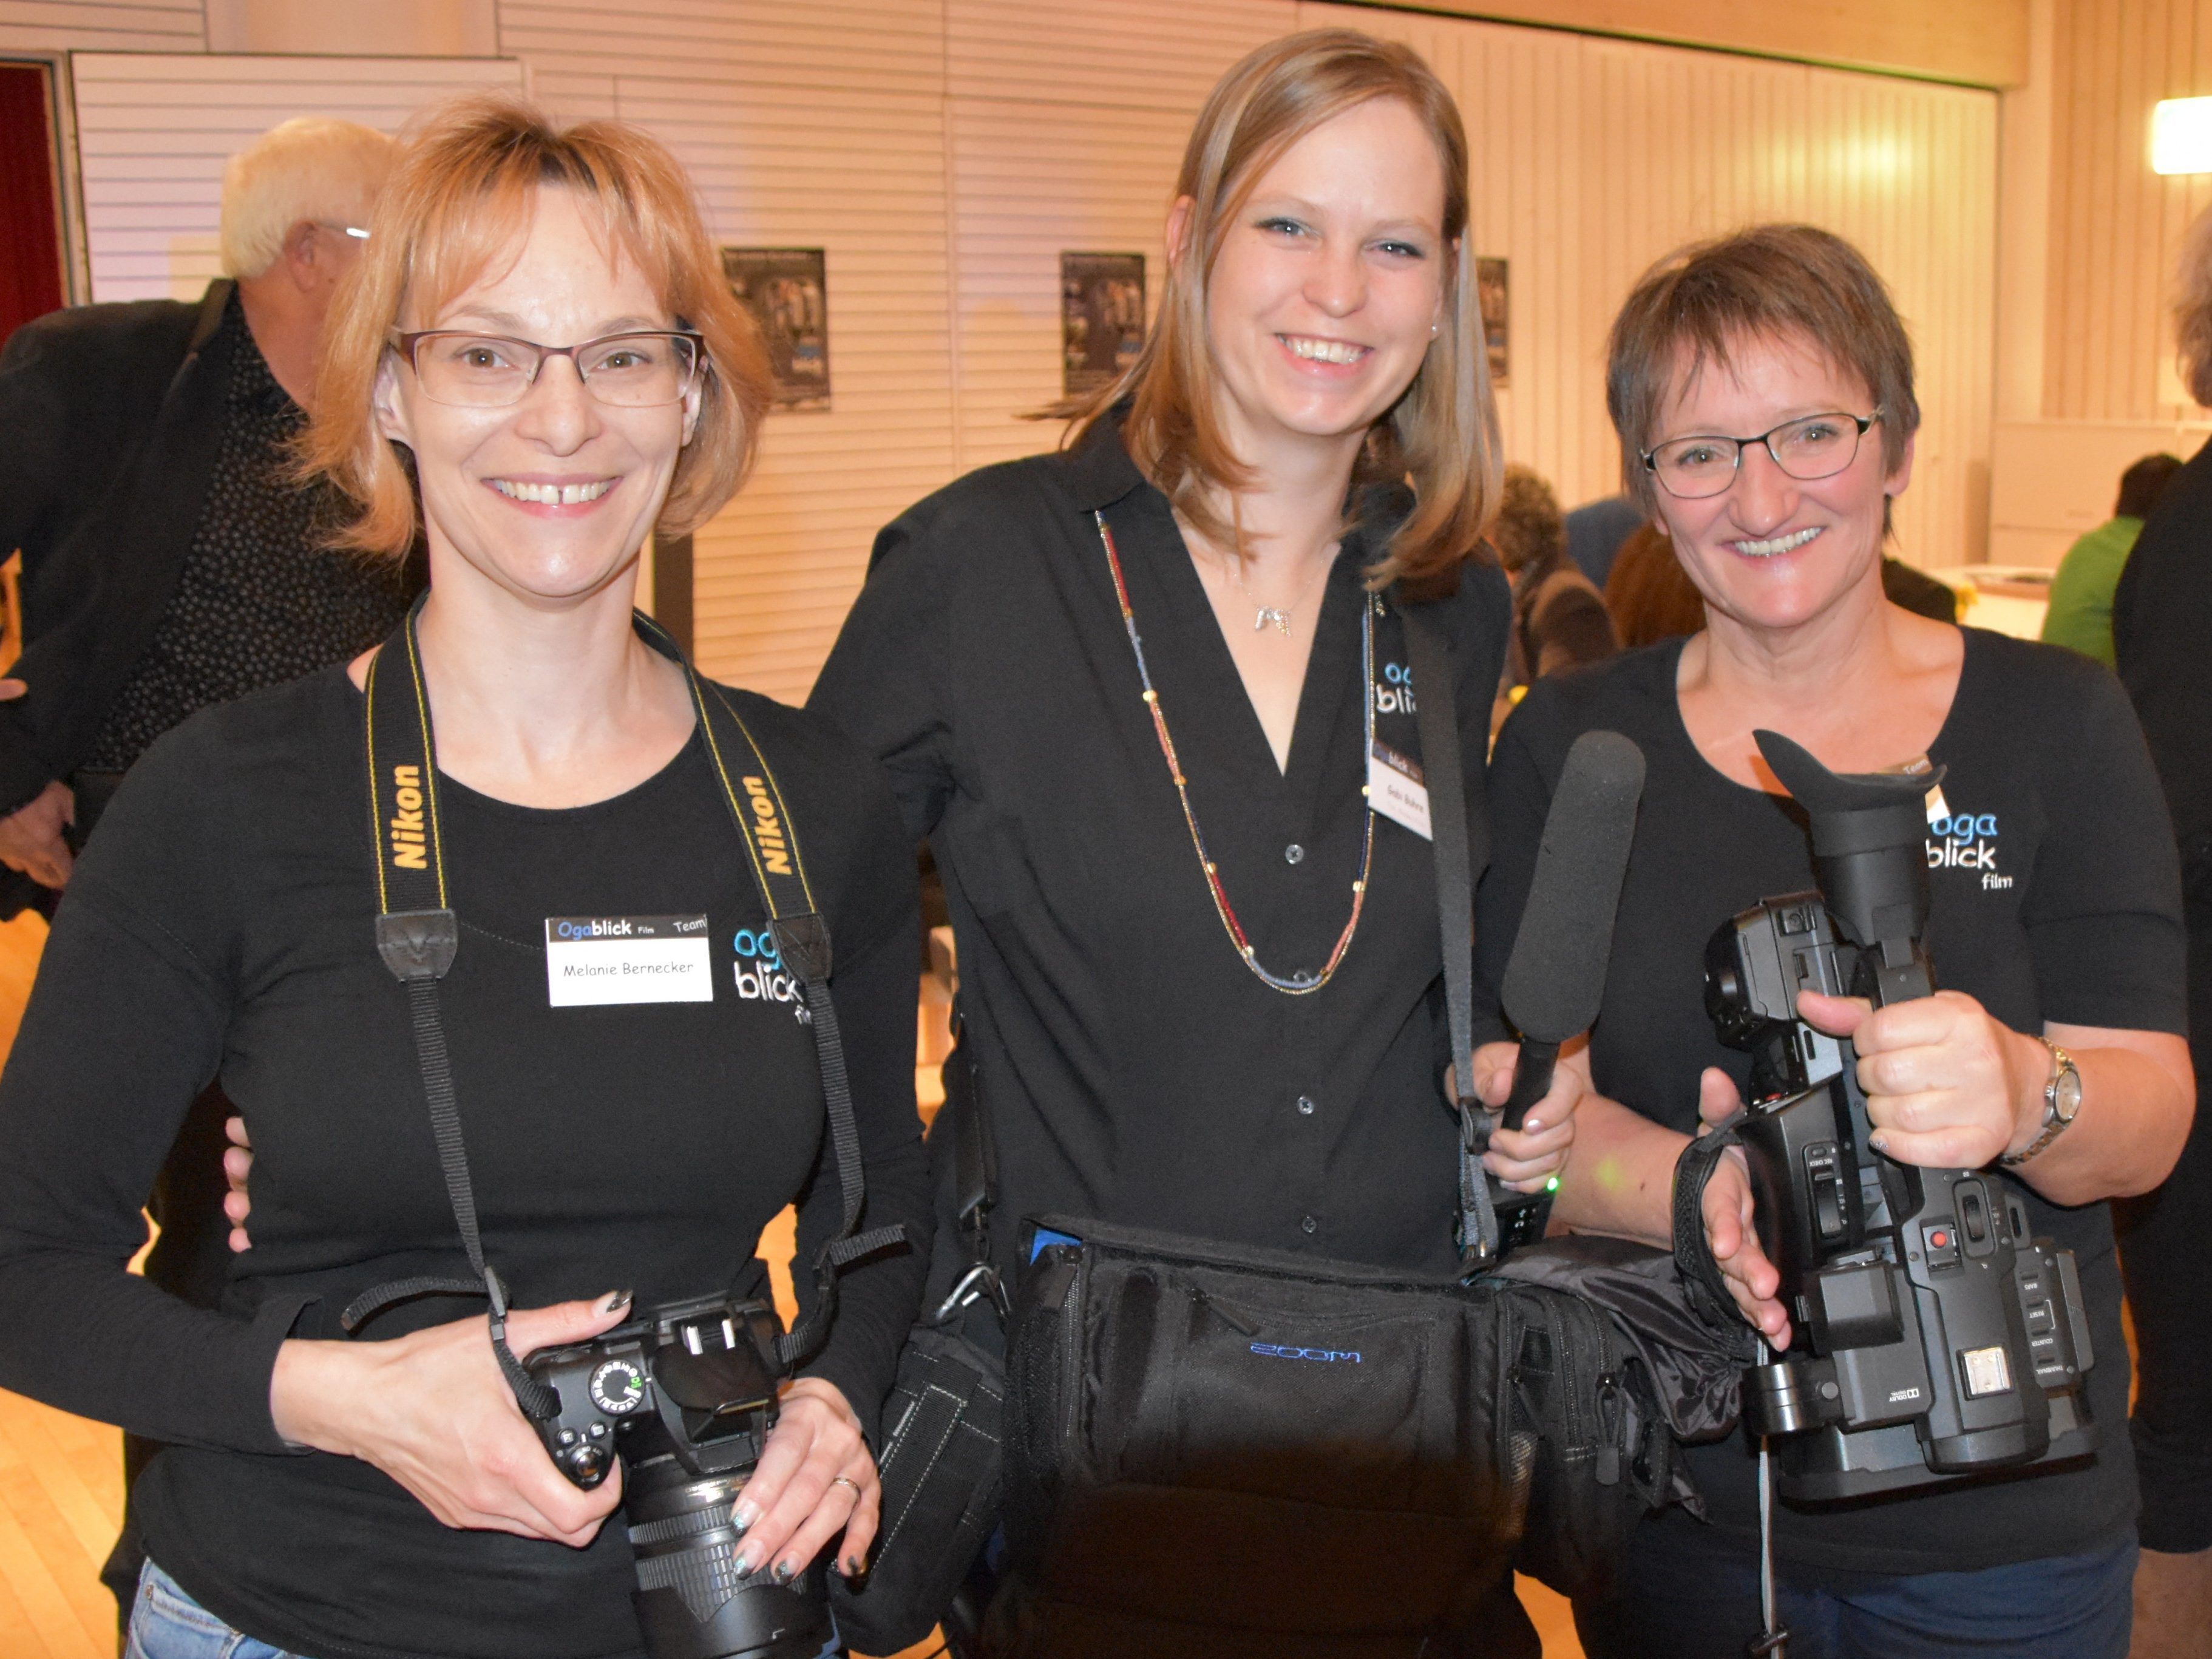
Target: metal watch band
[[2053, 1125]]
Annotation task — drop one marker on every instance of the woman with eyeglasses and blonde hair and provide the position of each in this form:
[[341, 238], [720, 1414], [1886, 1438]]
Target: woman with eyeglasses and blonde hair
[[1131, 693], [540, 350], [1762, 388]]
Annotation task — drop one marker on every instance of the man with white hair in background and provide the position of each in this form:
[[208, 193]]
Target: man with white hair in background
[[171, 562]]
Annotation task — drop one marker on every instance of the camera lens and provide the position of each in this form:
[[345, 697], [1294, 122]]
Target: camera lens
[[692, 1603]]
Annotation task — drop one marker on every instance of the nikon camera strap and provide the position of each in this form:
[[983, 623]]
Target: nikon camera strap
[[418, 935]]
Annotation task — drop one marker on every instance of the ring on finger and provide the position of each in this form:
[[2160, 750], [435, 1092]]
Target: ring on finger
[[850, 1484]]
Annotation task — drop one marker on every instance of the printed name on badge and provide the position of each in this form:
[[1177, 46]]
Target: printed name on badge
[[594, 960], [1395, 790]]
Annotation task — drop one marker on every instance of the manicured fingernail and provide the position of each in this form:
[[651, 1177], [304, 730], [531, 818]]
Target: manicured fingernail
[[615, 1301], [852, 1566], [743, 1564], [1530, 1125], [1878, 1143], [785, 1573], [742, 1516]]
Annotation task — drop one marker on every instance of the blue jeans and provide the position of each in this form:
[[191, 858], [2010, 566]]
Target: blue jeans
[[1692, 1594], [167, 1623]]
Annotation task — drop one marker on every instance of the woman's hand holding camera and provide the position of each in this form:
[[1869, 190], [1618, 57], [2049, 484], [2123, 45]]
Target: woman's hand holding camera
[[815, 1477], [1752, 1279], [1948, 1086], [1523, 1159], [432, 1410]]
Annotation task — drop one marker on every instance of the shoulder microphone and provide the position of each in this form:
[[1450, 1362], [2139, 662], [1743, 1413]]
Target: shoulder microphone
[[1555, 978]]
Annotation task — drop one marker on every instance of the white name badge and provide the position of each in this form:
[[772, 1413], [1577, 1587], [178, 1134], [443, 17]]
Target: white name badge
[[591, 960], [1395, 790]]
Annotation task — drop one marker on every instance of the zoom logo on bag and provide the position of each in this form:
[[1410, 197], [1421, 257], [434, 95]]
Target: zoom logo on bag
[[1319, 1356], [762, 977]]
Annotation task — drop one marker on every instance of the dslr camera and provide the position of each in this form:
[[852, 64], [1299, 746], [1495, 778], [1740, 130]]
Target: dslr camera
[[686, 1396], [1933, 1339]]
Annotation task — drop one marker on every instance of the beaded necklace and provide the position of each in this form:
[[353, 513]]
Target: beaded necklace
[[1295, 985]]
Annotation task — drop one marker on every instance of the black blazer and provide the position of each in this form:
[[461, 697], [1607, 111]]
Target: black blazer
[[110, 419]]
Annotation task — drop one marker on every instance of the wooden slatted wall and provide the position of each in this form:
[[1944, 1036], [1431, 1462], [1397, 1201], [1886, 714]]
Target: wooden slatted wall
[[2115, 226], [154, 130], [102, 26]]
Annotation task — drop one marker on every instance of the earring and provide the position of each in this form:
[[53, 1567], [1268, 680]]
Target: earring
[[1434, 328]]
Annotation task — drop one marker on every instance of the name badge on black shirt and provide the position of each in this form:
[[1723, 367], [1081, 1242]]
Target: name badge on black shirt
[[591, 960], [1395, 789]]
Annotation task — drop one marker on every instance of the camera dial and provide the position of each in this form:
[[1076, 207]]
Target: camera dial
[[619, 1386]]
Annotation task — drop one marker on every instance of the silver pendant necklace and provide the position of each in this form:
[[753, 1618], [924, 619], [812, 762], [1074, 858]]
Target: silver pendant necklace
[[1279, 615]]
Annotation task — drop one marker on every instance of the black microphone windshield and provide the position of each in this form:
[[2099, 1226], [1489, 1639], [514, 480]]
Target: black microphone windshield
[[1556, 976]]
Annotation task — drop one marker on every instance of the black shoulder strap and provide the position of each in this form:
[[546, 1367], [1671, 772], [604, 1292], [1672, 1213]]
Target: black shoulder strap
[[1461, 844], [418, 935]]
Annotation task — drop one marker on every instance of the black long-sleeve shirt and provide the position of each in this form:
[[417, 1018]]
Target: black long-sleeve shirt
[[1134, 1067], [221, 921]]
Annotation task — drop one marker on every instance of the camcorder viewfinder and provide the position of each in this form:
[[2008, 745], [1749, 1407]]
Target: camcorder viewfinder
[[1933, 1339]]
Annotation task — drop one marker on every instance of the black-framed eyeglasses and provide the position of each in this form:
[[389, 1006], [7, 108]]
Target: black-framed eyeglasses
[[644, 369], [1811, 447]]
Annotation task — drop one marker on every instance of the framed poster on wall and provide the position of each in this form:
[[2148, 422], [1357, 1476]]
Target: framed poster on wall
[[786, 290], [1490, 291], [1102, 318]]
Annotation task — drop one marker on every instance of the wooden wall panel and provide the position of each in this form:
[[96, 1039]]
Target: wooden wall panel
[[154, 131], [102, 26], [2115, 226], [1593, 157]]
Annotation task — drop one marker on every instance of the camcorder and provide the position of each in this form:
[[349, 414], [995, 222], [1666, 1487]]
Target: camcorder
[[1933, 1339], [686, 1396]]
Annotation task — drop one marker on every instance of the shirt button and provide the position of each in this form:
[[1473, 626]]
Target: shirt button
[[1308, 1225], [1294, 854], [1306, 1106]]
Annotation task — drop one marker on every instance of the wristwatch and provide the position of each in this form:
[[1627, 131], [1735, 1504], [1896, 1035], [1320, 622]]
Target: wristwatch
[[2062, 1100]]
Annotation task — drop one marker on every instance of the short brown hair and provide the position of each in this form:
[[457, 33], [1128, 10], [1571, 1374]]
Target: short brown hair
[[1442, 434], [460, 196], [1703, 302]]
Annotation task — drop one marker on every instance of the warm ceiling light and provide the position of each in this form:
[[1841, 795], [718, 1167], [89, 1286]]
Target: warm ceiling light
[[2181, 135]]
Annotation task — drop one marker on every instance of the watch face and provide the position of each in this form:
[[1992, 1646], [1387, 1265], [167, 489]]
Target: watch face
[[2066, 1093]]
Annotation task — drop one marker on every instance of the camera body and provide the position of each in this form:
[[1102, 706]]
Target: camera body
[[1934, 1337], [686, 1396]]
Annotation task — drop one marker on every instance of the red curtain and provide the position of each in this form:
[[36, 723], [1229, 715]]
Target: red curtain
[[30, 214]]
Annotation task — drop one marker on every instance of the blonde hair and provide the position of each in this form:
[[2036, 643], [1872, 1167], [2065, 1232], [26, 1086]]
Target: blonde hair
[[1442, 435], [460, 198], [2192, 309], [313, 167]]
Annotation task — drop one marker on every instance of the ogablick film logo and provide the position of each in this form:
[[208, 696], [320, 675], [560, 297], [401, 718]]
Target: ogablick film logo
[[762, 977], [1394, 693], [1966, 840]]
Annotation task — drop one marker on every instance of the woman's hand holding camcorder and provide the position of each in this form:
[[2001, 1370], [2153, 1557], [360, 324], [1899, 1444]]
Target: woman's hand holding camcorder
[[1947, 1087], [432, 1410], [1523, 1159], [1752, 1279], [815, 1476]]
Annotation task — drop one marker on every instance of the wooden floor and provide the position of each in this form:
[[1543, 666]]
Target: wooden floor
[[61, 1477]]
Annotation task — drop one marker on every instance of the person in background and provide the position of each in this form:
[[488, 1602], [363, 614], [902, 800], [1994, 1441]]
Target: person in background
[[1559, 620], [170, 562], [2161, 629], [1649, 596], [1596, 532], [2081, 613], [1762, 388], [1918, 591]]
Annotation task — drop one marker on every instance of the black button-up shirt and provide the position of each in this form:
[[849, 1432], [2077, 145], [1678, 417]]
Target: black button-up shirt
[[1134, 1067]]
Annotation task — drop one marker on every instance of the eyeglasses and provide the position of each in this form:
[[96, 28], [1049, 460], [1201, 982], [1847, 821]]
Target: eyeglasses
[[645, 370], [1812, 447], [354, 231]]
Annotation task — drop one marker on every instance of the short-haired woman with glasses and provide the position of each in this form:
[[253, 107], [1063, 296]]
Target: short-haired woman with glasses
[[1762, 388], [540, 347]]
